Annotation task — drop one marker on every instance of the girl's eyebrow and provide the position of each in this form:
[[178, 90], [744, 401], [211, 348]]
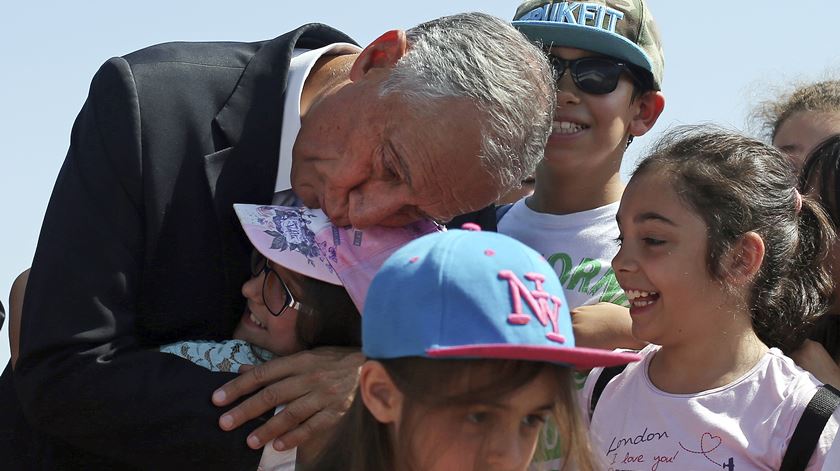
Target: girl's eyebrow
[[505, 406], [648, 216], [653, 216]]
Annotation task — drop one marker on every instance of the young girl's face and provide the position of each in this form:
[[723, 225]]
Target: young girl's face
[[259, 327], [501, 435], [661, 264], [800, 133]]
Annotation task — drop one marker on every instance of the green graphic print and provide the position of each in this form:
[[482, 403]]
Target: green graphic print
[[590, 277]]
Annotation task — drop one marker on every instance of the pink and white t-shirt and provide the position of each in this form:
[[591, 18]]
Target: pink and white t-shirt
[[745, 425]]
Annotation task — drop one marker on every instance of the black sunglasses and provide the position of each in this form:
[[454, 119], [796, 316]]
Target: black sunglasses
[[593, 75], [273, 283]]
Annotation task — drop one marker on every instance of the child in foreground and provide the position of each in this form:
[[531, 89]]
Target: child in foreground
[[721, 258], [470, 349]]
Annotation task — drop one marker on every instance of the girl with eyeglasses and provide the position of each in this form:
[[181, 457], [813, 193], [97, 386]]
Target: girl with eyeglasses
[[307, 286]]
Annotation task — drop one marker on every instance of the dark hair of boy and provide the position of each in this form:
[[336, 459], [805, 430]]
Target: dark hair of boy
[[737, 184]]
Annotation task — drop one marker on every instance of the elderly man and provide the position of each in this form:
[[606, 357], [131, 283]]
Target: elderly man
[[140, 246]]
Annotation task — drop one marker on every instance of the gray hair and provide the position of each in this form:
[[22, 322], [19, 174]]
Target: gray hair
[[481, 58]]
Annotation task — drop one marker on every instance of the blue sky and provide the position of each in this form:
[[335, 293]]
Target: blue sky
[[720, 62]]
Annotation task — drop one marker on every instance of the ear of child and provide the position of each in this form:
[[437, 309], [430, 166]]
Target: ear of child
[[649, 107], [379, 393], [745, 259]]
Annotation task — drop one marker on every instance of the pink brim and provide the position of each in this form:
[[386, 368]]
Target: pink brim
[[294, 261], [577, 357]]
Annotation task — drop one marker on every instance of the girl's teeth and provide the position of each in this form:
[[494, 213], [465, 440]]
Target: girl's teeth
[[255, 320], [567, 127], [634, 294]]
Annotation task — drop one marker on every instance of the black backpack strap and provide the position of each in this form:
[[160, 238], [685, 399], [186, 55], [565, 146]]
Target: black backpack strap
[[803, 442], [501, 210], [607, 374]]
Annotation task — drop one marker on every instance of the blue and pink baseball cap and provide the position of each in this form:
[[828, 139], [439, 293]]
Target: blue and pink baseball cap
[[473, 294], [305, 241]]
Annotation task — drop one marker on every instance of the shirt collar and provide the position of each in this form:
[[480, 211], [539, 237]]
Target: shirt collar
[[301, 63]]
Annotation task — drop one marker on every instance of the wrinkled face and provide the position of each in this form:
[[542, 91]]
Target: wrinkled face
[[661, 264], [495, 436], [589, 132], [800, 133], [259, 327], [366, 159]]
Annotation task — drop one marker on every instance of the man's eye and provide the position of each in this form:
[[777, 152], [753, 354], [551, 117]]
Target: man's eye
[[653, 241], [390, 173]]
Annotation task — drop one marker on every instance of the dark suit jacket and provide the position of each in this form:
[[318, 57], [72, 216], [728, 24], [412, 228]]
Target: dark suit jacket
[[140, 247]]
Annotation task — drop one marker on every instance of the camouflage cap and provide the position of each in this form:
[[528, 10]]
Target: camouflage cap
[[624, 29]]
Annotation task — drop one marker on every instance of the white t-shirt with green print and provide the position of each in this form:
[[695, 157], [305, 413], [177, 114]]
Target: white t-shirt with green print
[[580, 247]]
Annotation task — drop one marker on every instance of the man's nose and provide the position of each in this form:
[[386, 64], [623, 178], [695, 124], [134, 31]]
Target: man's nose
[[376, 203]]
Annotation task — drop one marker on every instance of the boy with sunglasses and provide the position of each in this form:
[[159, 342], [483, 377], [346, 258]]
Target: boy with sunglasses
[[608, 65]]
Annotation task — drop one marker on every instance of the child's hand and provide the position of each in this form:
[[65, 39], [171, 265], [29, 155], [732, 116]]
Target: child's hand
[[317, 387], [813, 358], [604, 325]]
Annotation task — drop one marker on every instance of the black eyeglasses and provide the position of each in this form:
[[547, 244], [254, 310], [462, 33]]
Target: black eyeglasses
[[593, 75], [275, 294]]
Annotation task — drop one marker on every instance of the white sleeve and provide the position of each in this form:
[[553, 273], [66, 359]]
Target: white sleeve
[[273, 460], [827, 454]]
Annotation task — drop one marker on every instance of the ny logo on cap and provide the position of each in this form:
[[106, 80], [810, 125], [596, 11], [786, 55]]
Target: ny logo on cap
[[588, 14], [537, 299]]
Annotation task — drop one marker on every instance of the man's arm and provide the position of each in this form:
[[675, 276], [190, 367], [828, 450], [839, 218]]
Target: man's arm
[[82, 375]]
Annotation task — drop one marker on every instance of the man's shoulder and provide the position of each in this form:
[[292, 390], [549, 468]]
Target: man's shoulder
[[220, 54], [234, 53]]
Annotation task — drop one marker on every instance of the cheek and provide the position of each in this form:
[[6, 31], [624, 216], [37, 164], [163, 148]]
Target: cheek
[[283, 326]]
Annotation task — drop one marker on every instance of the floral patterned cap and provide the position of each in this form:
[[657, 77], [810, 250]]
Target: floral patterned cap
[[305, 241]]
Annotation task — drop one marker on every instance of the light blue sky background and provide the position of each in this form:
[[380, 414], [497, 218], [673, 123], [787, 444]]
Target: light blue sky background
[[721, 59]]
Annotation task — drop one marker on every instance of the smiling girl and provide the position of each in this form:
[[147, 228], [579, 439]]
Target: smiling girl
[[721, 259]]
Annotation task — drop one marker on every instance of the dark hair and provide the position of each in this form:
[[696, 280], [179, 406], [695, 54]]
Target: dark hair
[[736, 185], [333, 320], [818, 97], [821, 176], [361, 443]]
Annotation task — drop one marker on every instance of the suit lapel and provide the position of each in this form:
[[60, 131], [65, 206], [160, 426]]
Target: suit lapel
[[244, 167], [252, 119]]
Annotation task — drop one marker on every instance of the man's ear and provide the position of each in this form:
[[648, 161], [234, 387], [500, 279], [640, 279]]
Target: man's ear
[[384, 51], [745, 257], [380, 394], [648, 108]]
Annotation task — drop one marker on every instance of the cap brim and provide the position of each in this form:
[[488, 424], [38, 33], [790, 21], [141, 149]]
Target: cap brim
[[577, 357], [587, 38], [291, 243]]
